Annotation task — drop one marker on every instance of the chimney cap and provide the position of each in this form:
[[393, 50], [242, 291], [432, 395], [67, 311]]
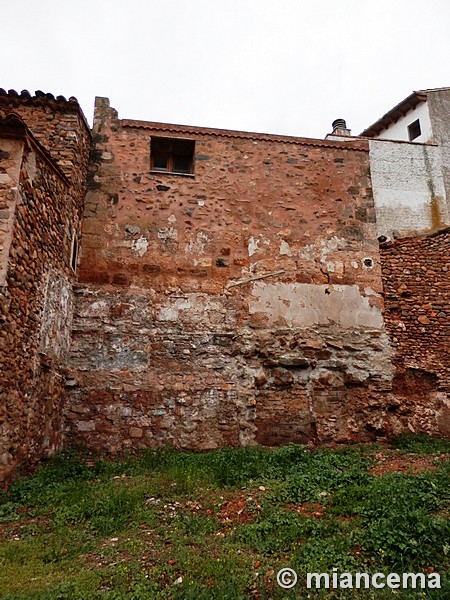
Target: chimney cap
[[339, 124]]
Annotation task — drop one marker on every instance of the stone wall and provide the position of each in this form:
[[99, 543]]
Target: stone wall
[[244, 302], [241, 303], [417, 288], [41, 200], [61, 128]]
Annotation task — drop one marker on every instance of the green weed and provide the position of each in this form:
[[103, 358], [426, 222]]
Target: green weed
[[420, 443], [154, 526]]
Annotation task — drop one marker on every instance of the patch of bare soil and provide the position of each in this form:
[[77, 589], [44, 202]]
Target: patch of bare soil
[[393, 462], [240, 510]]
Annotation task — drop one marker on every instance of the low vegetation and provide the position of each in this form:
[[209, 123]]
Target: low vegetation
[[179, 525]]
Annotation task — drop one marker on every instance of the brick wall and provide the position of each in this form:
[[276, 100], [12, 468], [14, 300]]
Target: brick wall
[[417, 288]]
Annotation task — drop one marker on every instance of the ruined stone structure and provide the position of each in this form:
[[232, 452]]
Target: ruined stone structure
[[229, 287]]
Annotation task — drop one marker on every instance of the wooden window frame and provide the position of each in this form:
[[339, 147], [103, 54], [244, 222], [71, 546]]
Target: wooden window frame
[[170, 149]]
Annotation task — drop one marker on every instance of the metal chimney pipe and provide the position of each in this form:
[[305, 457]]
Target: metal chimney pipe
[[338, 124]]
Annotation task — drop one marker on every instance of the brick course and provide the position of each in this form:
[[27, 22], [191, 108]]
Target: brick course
[[417, 288]]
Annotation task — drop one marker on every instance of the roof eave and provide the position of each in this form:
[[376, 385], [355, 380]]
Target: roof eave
[[392, 116]]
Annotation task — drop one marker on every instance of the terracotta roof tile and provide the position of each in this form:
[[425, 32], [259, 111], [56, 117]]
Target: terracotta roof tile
[[12, 97], [351, 144]]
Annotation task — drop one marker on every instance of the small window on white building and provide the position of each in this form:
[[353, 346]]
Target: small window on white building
[[414, 130]]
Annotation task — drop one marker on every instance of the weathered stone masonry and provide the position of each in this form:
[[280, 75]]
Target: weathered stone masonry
[[245, 302], [176, 337], [41, 198]]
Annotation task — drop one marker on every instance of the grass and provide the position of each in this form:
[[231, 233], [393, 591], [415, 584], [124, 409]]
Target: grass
[[179, 525]]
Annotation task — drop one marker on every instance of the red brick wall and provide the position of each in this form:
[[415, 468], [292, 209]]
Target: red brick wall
[[416, 278]]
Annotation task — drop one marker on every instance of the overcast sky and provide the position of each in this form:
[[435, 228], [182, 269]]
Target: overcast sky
[[275, 66]]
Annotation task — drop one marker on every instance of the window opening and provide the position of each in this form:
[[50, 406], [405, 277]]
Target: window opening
[[74, 253], [172, 155], [414, 130]]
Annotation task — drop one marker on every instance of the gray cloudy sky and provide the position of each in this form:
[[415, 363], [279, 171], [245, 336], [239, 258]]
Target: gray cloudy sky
[[276, 66]]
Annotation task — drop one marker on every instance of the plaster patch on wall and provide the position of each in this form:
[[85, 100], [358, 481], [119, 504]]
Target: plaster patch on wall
[[408, 188], [285, 249], [140, 246], [254, 244], [56, 316], [335, 267], [168, 313], [167, 234], [308, 252], [307, 305], [98, 308], [198, 245], [322, 247], [171, 311]]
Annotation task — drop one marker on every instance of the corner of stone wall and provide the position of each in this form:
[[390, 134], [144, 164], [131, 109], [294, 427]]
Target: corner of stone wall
[[103, 112], [102, 189], [35, 288]]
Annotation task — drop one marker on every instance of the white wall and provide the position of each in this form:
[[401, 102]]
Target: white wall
[[408, 188], [399, 130]]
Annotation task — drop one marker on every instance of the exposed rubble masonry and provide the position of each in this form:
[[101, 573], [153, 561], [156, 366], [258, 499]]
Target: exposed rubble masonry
[[238, 304], [40, 209], [241, 299]]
